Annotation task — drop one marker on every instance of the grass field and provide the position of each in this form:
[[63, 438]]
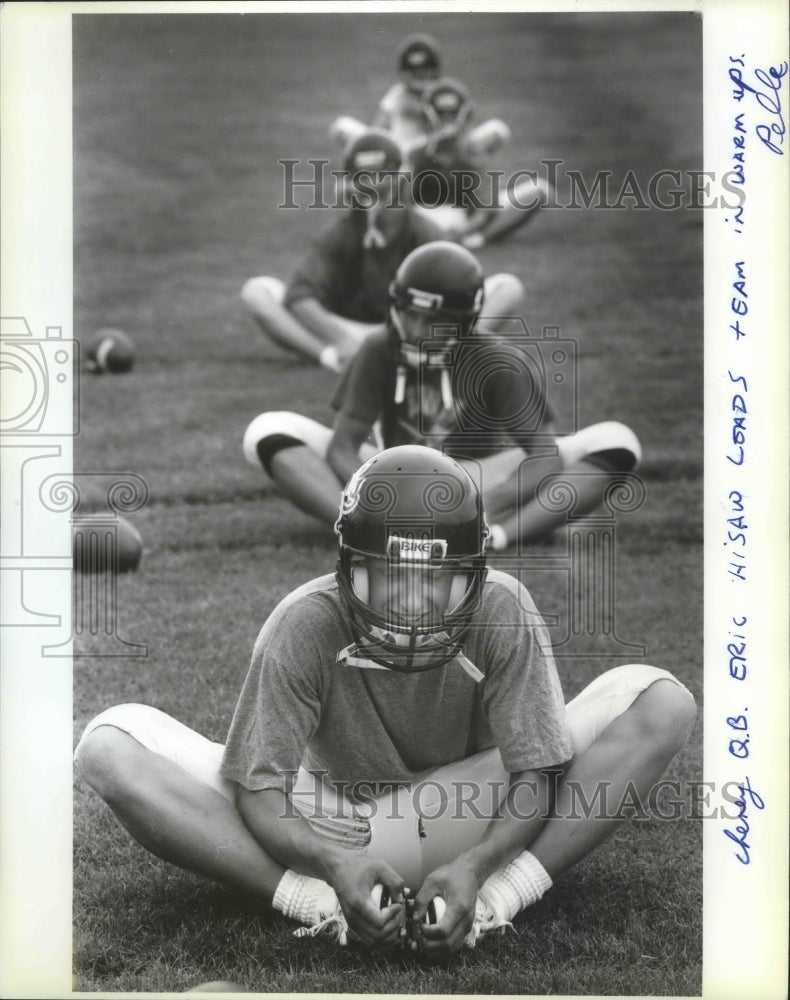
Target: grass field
[[179, 122]]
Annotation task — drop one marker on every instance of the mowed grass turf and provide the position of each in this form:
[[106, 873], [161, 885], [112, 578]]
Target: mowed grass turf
[[179, 122]]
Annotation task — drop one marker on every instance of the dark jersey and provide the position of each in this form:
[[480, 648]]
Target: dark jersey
[[444, 176], [497, 399], [350, 279]]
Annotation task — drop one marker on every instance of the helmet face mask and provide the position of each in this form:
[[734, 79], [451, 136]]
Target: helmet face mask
[[411, 561], [447, 106]]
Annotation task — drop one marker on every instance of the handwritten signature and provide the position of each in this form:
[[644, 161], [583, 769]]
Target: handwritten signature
[[741, 832], [772, 133]]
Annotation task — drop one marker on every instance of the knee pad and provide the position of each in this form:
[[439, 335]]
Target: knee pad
[[607, 697], [345, 129], [615, 444], [278, 424], [450, 219], [530, 194], [487, 137], [151, 727], [503, 283], [264, 284], [270, 432]]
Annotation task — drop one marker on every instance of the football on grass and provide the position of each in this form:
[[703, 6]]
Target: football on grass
[[94, 544], [109, 350]]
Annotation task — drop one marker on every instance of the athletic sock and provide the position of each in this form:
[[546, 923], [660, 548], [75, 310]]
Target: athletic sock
[[300, 897], [330, 359], [506, 893], [517, 885]]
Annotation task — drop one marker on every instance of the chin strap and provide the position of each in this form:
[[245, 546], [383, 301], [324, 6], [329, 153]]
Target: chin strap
[[349, 658], [353, 656]]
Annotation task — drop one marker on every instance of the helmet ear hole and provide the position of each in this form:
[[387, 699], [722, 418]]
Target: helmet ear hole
[[361, 583]]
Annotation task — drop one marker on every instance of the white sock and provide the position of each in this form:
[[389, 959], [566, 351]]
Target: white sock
[[303, 898], [329, 358], [516, 886]]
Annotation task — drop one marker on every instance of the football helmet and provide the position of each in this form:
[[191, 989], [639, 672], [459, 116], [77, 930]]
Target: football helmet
[[418, 61], [447, 105], [411, 513], [371, 151], [442, 280], [372, 163]]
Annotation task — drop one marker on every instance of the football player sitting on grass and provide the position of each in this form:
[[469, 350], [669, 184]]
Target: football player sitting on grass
[[449, 175], [400, 110], [401, 767], [449, 158], [339, 291], [434, 374]]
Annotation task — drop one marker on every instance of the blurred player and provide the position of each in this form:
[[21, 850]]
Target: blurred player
[[339, 291], [400, 110], [451, 174], [435, 375], [401, 725]]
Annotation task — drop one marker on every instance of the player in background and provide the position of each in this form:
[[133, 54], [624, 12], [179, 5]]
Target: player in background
[[400, 111], [451, 158], [452, 174], [434, 374], [339, 290], [402, 724]]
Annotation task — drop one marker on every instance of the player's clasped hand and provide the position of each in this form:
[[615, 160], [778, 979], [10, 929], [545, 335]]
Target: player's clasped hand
[[456, 884], [353, 881]]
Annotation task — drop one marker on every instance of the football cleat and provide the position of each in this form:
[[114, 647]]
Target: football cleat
[[331, 924], [486, 920]]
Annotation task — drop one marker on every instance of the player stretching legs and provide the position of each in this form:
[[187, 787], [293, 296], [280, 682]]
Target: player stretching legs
[[395, 668], [339, 291], [436, 375]]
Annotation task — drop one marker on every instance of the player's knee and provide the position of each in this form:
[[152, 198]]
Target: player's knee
[[259, 295], [103, 761], [529, 194], [266, 435], [507, 290], [610, 445], [488, 137], [670, 714]]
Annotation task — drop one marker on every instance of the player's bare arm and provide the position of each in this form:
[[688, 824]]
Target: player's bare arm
[[330, 327], [348, 434]]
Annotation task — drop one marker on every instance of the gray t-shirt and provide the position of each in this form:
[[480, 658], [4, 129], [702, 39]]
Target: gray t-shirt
[[300, 706]]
